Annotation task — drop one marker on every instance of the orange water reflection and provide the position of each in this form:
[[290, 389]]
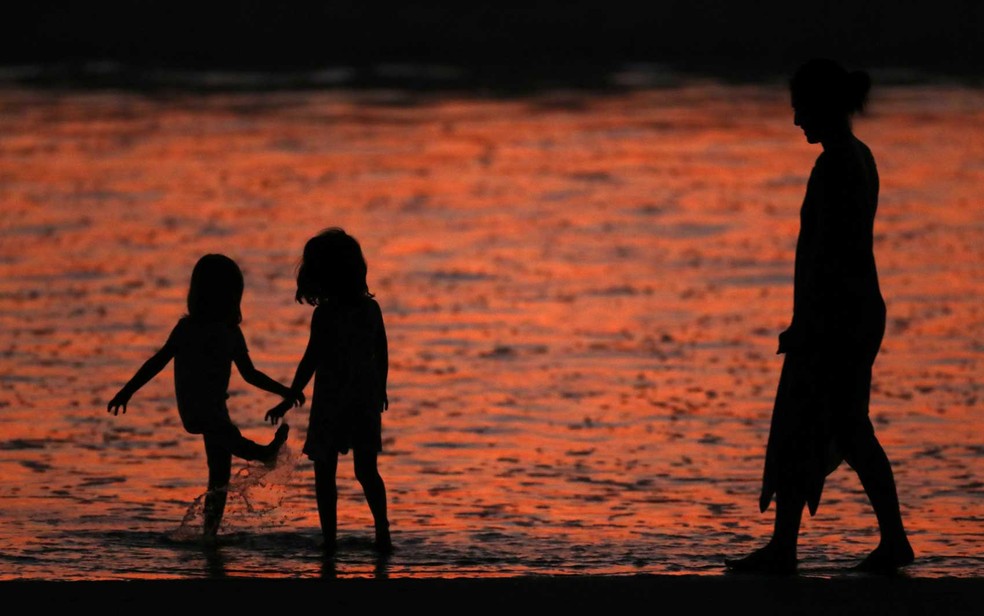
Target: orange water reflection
[[582, 294]]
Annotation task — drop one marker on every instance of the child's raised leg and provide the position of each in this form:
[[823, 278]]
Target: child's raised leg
[[374, 489], [238, 445], [220, 445], [326, 491]]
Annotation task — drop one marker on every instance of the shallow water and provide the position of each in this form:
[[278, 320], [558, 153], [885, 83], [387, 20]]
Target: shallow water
[[582, 293]]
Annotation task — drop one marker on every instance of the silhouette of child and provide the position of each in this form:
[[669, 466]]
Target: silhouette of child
[[347, 356], [820, 416], [204, 344]]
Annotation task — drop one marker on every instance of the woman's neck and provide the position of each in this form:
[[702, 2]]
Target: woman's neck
[[839, 137], [837, 140]]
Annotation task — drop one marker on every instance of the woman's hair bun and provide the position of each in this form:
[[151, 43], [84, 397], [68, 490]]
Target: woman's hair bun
[[858, 86], [822, 83]]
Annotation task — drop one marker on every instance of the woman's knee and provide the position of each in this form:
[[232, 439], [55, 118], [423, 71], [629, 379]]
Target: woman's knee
[[857, 439]]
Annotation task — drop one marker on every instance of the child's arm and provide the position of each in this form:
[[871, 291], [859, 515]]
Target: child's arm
[[302, 376], [382, 356], [149, 370], [274, 414], [255, 377], [250, 373]]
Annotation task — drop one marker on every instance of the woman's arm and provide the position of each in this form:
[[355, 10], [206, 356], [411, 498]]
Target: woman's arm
[[845, 239]]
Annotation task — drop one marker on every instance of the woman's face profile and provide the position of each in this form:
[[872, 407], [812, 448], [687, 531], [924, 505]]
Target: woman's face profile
[[811, 123]]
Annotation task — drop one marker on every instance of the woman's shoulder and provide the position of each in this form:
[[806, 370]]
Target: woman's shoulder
[[845, 162]]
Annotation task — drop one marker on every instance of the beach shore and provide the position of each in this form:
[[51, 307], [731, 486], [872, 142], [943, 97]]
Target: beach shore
[[655, 593]]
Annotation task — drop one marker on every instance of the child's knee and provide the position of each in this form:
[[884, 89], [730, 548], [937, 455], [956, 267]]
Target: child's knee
[[366, 473], [219, 476]]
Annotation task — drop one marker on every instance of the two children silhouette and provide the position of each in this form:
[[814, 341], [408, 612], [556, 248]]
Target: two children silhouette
[[346, 353]]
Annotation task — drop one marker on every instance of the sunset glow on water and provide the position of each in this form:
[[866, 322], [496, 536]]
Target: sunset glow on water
[[582, 293]]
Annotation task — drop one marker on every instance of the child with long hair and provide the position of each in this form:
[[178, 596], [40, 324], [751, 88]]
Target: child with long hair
[[348, 357], [204, 344]]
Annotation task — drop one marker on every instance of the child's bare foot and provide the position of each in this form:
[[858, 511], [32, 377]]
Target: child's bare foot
[[383, 544], [279, 438], [210, 538], [768, 559], [887, 557]]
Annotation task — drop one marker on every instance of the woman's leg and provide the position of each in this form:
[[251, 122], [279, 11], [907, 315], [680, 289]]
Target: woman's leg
[[326, 492], [367, 473], [219, 471], [779, 554], [867, 457]]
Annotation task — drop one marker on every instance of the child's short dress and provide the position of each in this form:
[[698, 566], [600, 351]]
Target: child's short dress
[[349, 379]]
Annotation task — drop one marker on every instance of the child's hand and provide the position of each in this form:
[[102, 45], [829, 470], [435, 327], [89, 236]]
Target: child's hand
[[298, 398], [119, 401], [274, 414]]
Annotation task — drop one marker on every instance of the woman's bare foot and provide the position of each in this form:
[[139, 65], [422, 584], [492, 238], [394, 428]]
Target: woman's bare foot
[[768, 559], [887, 557]]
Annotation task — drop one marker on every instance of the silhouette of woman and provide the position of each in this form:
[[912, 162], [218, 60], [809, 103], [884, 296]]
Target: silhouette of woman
[[820, 417]]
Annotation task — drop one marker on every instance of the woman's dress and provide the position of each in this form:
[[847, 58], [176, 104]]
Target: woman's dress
[[836, 330]]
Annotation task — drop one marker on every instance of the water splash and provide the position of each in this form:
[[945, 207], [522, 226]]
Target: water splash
[[256, 496]]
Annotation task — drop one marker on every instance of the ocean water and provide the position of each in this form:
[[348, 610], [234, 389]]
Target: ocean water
[[582, 291]]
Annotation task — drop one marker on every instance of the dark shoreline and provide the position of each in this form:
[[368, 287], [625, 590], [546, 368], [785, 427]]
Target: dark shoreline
[[491, 80], [867, 595], [487, 48]]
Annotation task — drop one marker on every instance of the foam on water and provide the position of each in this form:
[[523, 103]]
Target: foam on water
[[255, 500]]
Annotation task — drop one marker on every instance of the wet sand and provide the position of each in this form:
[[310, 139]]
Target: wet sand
[[653, 593]]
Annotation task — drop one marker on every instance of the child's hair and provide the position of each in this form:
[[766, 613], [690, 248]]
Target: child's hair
[[216, 290], [332, 267], [824, 85]]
